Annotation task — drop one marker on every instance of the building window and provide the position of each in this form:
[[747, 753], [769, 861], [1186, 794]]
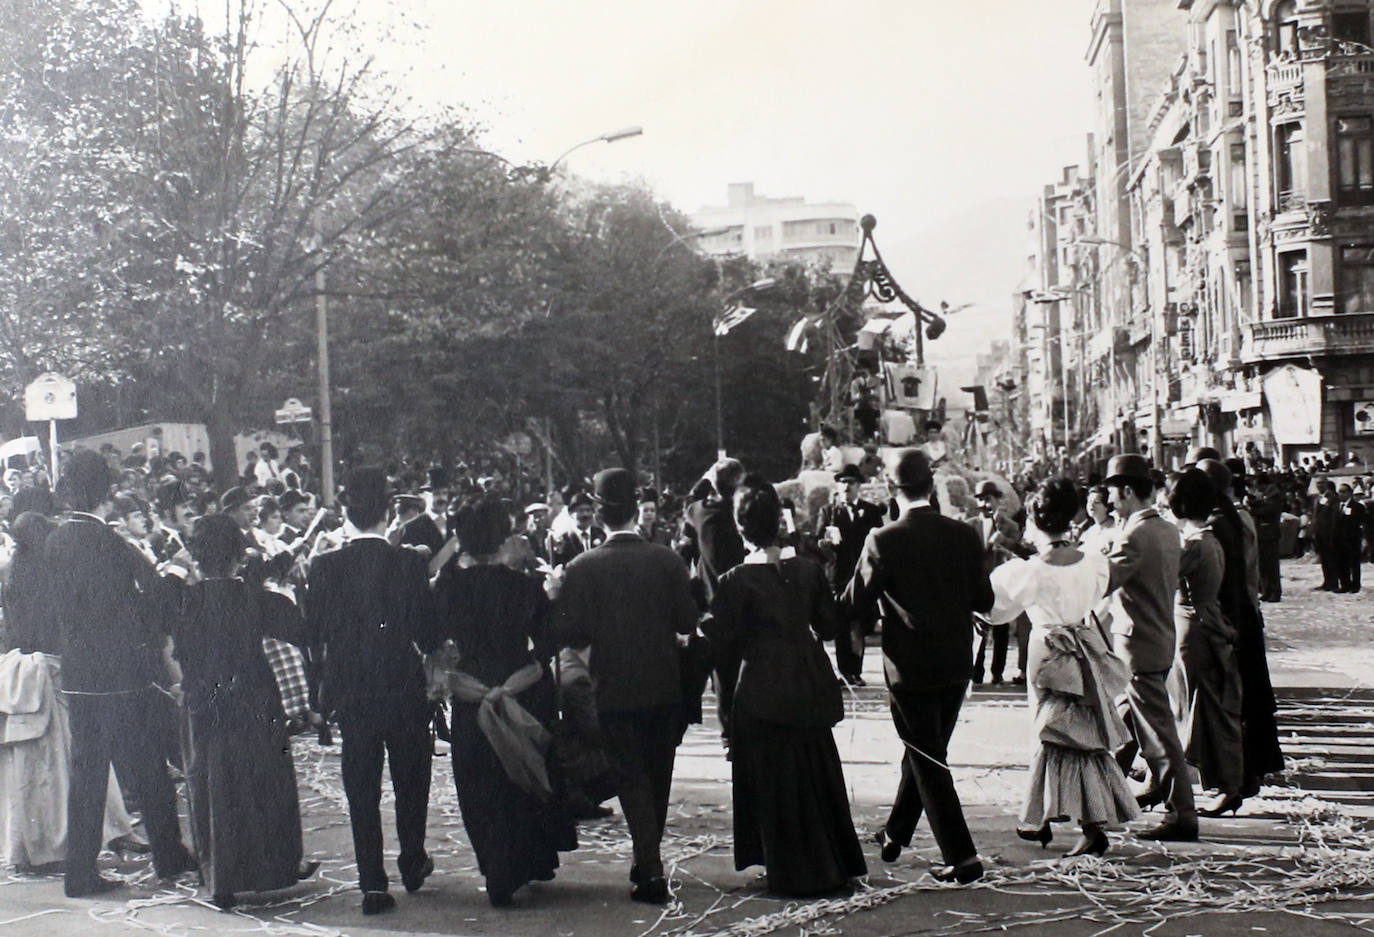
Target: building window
[[1351, 27], [1355, 160], [1239, 182], [1292, 285], [1291, 153], [1234, 78], [1357, 279], [763, 232], [825, 227], [1286, 28]]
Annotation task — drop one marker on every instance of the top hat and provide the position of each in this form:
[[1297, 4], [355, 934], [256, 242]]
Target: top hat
[[850, 473], [1129, 466]]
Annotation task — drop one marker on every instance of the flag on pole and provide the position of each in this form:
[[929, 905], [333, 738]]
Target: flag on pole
[[731, 316]]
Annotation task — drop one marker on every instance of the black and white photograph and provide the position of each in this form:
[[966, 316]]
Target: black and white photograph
[[611, 468]]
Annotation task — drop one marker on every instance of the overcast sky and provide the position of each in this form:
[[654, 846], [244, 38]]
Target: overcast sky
[[910, 109]]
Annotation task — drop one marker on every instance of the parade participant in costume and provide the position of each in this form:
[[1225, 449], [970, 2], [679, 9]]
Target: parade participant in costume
[[846, 522], [628, 601], [245, 818], [710, 526], [34, 774], [368, 608], [499, 621], [998, 534], [109, 642], [1324, 515], [1206, 669], [1144, 579], [1349, 540], [413, 527], [296, 511], [648, 526], [1073, 676], [585, 535], [924, 573], [537, 516], [1260, 735], [778, 701]]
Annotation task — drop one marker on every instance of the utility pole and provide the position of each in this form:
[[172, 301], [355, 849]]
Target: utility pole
[[322, 350]]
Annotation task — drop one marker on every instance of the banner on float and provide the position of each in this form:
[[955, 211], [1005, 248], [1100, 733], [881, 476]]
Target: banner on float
[[910, 387], [1293, 396]]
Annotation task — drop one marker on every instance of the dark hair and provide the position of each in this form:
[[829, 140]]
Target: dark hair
[[911, 471], [1192, 496], [216, 544], [269, 450], [126, 504], [617, 515], [1054, 505], [758, 513], [266, 508], [37, 500], [1101, 492], [86, 480], [291, 499], [30, 530], [482, 523], [365, 497]]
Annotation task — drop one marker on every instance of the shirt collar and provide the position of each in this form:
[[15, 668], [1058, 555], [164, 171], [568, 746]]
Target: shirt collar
[[622, 534], [356, 537]]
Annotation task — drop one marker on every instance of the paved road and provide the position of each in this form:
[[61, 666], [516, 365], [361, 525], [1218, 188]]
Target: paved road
[[1297, 853]]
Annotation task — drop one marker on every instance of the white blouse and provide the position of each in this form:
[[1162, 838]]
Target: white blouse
[[1049, 595]]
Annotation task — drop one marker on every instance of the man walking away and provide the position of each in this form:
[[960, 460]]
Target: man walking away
[[628, 600], [1143, 581], [924, 573], [368, 608]]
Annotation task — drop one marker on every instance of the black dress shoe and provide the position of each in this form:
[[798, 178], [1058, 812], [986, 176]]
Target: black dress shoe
[[651, 890], [224, 901], [375, 902], [1171, 831], [890, 848], [86, 888], [307, 869], [1149, 798], [499, 899], [964, 873], [416, 877], [181, 862]]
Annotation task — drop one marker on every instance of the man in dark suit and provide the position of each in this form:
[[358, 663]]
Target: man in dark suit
[[999, 536], [368, 607], [924, 572], [845, 523], [112, 643], [585, 536], [1349, 540], [1144, 578], [413, 527], [1324, 514], [628, 601]]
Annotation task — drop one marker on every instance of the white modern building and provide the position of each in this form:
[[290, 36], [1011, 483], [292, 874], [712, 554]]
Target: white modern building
[[763, 228]]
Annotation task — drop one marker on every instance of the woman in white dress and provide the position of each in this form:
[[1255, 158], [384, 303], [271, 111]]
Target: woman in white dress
[[1073, 678]]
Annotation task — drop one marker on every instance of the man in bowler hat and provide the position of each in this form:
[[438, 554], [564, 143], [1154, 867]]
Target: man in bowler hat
[[1144, 578], [924, 574], [999, 535], [628, 600]]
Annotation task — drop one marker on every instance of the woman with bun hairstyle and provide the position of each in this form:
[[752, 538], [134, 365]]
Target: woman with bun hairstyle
[[1073, 677], [779, 699]]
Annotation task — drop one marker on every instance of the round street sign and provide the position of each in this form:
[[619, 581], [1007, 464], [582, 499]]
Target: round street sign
[[50, 397]]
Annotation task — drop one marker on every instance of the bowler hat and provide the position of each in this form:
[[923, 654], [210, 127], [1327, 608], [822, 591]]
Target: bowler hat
[[1218, 473], [614, 486], [1129, 466], [987, 489], [850, 473], [1198, 453]]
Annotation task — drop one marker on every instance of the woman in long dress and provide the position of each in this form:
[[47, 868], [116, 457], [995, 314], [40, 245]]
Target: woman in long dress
[[499, 622], [779, 700], [1210, 695], [245, 817], [1073, 678]]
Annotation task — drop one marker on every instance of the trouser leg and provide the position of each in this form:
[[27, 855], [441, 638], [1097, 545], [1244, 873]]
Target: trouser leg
[[1001, 638], [980, 655], [1023, 631], [409, 757], [138, 750], [361, 756], [925, 722], [90, 772], [634, 741], [1152, 724]]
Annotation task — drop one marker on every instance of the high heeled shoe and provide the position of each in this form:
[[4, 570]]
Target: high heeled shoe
[[1223, 804], [1095, 845], [1043, 836], [1149, 798]]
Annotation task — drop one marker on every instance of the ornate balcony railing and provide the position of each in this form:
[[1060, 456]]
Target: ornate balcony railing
[[1314, 335], [1285, 75]]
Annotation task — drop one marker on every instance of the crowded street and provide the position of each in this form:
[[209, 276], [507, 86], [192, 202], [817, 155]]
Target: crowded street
[[1292, 861]]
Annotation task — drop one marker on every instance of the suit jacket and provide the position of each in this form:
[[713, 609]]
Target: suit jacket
[[1143, 581], [710, 524], [628, 599], [1324, 515], [368, 607], [106, 599], [924, 574], [1350, 524], [854, 523], [569, 546], [995, 556], [421, 531]]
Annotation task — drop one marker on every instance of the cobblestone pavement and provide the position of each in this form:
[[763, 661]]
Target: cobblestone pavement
[[1297, 860]]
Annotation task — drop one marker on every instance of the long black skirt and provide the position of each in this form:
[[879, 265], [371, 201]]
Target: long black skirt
[[791, 809], [516, 836], [241, 784], [1259, 727]]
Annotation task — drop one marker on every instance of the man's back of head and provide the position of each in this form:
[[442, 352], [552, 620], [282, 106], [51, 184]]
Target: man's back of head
[[909, 470], [365, 497], [86, 480]]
